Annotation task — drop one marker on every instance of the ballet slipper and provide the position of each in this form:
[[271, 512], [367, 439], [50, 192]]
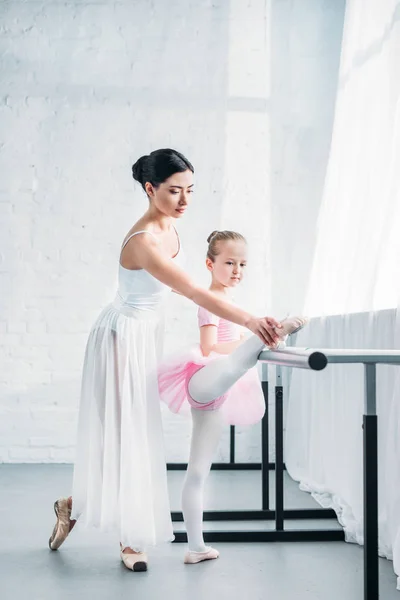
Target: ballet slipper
[[291, 325], [192, 557], [63, 525], [136, 561]]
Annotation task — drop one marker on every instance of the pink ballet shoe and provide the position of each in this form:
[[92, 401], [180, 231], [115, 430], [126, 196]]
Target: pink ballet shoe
[[134, 562], [64, 524], [291, 325], [192, 557]]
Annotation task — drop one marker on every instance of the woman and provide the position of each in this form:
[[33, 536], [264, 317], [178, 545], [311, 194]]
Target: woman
[[120, 477]]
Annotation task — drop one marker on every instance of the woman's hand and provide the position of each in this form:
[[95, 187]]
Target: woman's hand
[[265, 328]]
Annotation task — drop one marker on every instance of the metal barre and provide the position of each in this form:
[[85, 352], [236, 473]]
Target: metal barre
[[304, 358], [317, 359]]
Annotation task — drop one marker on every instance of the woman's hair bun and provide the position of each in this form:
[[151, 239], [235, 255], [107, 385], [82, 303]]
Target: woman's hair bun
[[137, 169]]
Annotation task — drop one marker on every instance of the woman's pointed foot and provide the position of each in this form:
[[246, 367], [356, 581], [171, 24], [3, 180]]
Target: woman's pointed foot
[[64, 524]]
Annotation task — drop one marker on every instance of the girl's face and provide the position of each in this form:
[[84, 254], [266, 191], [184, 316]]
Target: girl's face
[[172, 197], [230, 264]]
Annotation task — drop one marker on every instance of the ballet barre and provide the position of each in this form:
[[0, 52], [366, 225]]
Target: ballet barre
[[317, 359], [303, 358], [314, 359]]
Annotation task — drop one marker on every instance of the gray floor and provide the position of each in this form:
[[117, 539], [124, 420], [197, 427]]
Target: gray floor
[[88, 565]]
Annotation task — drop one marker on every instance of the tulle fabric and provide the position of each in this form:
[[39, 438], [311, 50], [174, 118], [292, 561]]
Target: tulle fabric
[[243, 404], [120, 480]]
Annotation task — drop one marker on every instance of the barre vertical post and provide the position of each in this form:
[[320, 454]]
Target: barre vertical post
[[265, 442], [279, 514], [370, 435], [232, 445]]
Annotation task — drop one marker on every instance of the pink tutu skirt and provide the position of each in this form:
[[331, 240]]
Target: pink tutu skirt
[[242, 404]]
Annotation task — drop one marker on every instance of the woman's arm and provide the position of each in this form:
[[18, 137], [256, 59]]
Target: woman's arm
[[209, 341], [147, 254]]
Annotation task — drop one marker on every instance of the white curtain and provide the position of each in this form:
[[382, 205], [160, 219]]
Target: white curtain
[[390, 496], [358, 245], [323, 449], [355, 279]]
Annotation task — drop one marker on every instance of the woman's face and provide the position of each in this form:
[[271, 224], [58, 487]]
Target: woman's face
[[230, 264], [172, 197]]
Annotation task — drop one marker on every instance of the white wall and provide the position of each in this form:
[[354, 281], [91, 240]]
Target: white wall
[[242, 88]]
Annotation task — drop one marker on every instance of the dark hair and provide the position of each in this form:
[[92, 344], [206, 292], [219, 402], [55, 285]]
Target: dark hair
[[221, 236], [158, 166]]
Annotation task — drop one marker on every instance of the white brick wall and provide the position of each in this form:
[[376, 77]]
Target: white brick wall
[[87, 87]]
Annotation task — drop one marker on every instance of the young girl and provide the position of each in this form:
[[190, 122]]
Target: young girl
[[120, 478], [217, 389]]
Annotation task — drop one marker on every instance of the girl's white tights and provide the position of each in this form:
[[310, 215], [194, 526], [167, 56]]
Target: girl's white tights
[[215, 378], [210, 382], [206, 433]]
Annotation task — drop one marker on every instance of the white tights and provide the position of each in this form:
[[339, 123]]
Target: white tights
[[215, 378], [206, 433]]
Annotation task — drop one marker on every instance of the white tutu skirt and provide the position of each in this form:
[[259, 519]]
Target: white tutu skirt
[[120, 479]]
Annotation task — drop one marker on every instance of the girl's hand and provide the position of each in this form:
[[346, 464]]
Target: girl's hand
[[265, 328]]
